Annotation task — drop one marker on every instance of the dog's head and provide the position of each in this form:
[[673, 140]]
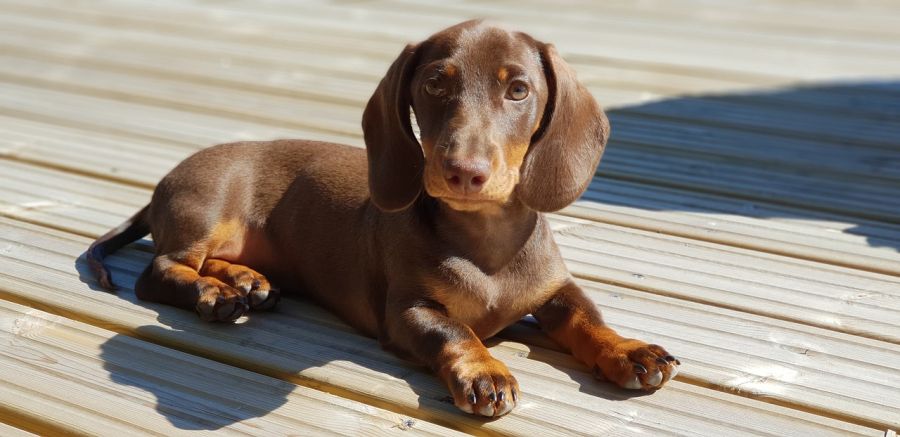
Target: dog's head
[[501, 115]]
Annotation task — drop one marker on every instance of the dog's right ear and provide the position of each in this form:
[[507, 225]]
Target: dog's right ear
[[396, 161]]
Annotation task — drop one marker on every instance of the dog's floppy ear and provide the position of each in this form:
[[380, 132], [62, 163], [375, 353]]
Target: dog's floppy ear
[[396, 160], [566, 149]]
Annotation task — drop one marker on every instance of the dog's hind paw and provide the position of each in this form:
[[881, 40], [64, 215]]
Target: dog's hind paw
[[220, 302]]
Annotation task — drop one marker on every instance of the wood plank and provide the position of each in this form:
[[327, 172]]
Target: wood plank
[[758, 183], [108, 39], [11, 431], [291, 72], [139, 121], [736, 366], [861, 262], [292, 345], [233, 27], [78, 379], [613, 254], [655, 50], [816, 125], [652, 46], [677, 165], [863, 22], [662, 44], [76, 204], [830, 297], [235, 22], [330, 118], [631, 126], [763, 146], [229, 22], [87, 206]]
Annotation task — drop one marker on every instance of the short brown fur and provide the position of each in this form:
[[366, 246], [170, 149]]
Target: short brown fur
[[388, 238]]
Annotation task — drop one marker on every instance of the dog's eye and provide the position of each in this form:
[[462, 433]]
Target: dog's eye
[[517, 91], [433, 87]]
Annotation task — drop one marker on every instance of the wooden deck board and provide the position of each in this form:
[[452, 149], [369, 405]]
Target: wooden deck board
[[811, 293], [682, 162], [730, 373], [289, 345], [75, 378], [745, 214], [680, 170], [11, 431]]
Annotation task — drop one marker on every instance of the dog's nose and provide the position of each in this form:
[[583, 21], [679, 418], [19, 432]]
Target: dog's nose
[[466, 176]]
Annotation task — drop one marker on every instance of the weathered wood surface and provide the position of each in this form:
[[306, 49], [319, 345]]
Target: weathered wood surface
[[746, 214], [75, 378]]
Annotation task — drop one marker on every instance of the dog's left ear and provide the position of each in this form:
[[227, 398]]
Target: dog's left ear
[[396, 161], [566, 149]]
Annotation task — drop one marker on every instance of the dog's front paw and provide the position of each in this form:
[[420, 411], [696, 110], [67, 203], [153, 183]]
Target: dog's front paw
[[636, 365], [483, 386]]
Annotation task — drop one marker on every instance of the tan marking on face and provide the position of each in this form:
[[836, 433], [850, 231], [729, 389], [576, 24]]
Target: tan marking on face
[[427, 147], [514, 155], [502, 74], [450, 70]]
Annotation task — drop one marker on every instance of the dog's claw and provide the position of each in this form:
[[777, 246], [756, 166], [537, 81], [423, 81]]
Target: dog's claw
[[670, 358], [225, 310], [259, 301]]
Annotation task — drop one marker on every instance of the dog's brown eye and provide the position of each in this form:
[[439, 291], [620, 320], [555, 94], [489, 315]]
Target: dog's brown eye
[[517, 91], [433, 87]]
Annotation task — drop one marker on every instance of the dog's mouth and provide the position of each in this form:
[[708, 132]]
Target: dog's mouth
[[472, 202], [475, 199], [467, 203]]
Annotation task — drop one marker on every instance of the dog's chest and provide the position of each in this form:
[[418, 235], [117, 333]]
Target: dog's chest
[[488, 303]]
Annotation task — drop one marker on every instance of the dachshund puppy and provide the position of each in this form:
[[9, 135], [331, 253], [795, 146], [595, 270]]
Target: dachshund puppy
[[429, 247]]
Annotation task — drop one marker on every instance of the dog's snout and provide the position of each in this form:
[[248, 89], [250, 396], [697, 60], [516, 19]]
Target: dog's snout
[[466, 176]]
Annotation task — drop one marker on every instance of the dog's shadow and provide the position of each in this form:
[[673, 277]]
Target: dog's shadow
[[286, 345], [193, 368], [178, 359]]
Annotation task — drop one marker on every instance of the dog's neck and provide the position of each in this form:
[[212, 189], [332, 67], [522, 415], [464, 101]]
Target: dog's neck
[[490, 238]]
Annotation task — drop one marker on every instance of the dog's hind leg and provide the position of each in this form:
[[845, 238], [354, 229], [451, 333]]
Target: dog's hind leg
[[173, 280]]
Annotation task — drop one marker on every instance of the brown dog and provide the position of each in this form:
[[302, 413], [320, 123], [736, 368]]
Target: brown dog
[[507, 131]]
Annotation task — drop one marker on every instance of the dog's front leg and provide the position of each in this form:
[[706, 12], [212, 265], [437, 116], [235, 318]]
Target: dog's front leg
[[572, 320], [479, 383]]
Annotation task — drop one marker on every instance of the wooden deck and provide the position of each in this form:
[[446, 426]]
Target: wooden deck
[[746, 215]]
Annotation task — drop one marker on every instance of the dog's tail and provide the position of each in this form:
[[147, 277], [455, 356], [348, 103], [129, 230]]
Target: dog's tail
[[131, 230]]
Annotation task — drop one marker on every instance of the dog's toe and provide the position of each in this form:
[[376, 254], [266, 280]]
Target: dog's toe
[[221, 303]]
